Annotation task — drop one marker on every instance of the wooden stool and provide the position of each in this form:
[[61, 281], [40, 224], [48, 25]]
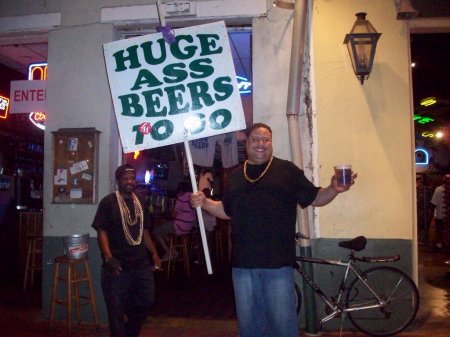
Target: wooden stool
[[182, 243], [196, 249], [34, 259], [220, 241], [72, 279], [30, 243]]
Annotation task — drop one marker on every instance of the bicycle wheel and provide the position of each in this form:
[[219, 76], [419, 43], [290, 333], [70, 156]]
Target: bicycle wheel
[[298, 298], [398, 293]]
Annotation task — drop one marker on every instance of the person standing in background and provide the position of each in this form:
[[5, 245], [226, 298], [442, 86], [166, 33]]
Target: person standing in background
[[183, 219], [439, 215], [122, 225]]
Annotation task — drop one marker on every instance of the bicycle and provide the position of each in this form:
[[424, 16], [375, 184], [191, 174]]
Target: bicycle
[[380, 301]]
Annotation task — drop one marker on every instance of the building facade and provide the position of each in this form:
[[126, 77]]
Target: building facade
[[340, 120]]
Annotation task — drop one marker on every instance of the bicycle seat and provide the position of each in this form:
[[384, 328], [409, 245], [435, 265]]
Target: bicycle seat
[[358, 243]]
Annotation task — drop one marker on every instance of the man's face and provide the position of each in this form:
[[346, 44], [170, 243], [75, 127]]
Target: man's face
[[127, 182], [259, 146]]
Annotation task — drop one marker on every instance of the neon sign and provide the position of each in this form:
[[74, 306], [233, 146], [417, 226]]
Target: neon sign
[[422, 156], [244, 85], [423, 119], [37, 71], [428, 101], [38, 119], [4, 106]]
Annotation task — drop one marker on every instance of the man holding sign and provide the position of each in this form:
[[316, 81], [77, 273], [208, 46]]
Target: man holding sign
[[261, 199]]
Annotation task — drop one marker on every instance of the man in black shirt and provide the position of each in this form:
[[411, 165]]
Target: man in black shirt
[[126, 246], [261, 199]]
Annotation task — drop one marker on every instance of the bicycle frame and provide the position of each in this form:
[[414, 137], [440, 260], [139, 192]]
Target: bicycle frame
[[335, 304]]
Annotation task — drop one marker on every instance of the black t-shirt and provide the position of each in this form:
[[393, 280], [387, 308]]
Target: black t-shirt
[[263, 214], [108, 219]]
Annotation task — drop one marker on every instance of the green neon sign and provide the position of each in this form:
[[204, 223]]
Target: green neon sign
[[423, 119]]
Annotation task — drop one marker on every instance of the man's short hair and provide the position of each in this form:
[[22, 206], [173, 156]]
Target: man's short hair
[[124, 168], [256, 126]]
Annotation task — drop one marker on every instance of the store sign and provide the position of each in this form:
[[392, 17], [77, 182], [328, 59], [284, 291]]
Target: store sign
[[27, 96], [4, 106], [37, 71], [38, 119], [244, 85], [423, 119], [165, 94]]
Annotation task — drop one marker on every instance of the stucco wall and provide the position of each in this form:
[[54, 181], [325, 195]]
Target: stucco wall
[[78, 96], [368, 126]]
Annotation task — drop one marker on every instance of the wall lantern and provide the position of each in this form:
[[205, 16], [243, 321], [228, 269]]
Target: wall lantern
[[361, 44]]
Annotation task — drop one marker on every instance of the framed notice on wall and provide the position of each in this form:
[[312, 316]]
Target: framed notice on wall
[[75, 166]]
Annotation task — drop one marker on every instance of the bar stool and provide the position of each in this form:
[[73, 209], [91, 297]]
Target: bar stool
[[180, 243], [220, 240], [31, 241], [218, 237], [77, 271], [34, 259]]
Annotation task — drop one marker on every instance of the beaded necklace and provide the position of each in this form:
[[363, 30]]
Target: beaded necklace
[[127, 221], [251, 181]]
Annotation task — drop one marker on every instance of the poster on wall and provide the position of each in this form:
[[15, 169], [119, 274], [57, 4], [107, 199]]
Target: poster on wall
[[171, 93]]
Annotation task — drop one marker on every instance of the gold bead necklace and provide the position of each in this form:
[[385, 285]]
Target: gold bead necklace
[[127, 221], [260, 176]]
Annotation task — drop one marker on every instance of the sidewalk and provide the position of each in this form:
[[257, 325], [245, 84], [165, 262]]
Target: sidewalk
[[206, 309]]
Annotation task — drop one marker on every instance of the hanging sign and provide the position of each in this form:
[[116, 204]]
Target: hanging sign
[[170, 93], [27, 96]]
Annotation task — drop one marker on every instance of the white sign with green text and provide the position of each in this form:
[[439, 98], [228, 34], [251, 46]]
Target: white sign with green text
[[165, 94]]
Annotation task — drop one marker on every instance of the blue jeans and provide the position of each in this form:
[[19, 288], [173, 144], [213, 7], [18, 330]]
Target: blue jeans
[[265, 303]]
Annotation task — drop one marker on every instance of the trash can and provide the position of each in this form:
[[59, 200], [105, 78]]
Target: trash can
[[76, 245]]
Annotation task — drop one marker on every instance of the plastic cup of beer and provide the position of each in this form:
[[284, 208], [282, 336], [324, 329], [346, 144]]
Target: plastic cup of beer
[[343, 173]]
